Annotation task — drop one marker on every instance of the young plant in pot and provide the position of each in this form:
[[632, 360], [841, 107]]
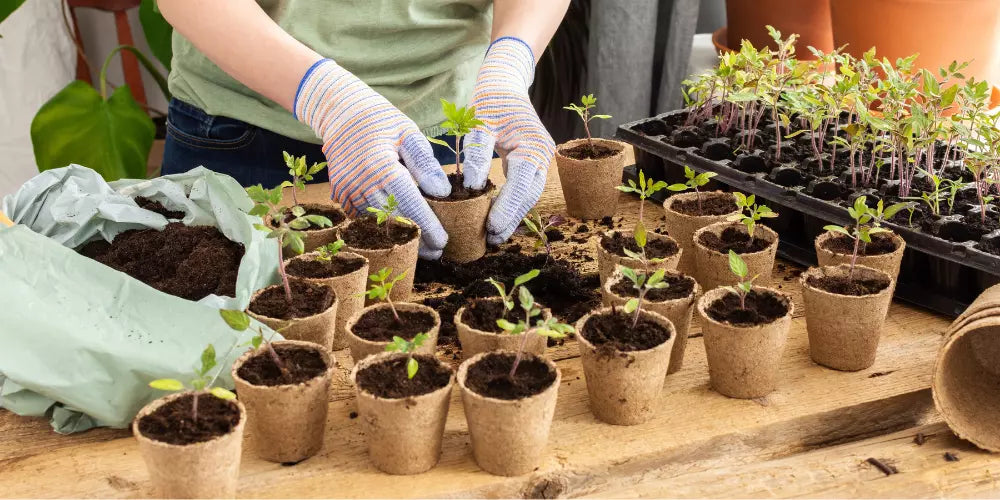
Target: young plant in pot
[[756, 244], [463, 213], [689, 212], [538, 228], [301, 310], [477, 326], [626, 354], [745, 328], [191, 441], [589, 169], [510, 397], [403, 400], [314, 235], [866, 242], [387, 240], [375, 326]]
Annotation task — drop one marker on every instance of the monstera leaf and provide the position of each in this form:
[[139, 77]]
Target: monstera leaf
[[158, 31]]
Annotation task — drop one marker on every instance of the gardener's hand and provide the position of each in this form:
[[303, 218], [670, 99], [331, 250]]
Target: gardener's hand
[[512, 126], [364, 137]]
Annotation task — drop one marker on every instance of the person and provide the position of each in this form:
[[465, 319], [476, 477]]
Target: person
[[357, 83]]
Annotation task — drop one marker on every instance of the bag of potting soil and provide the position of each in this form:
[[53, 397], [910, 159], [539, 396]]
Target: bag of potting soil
[[79, 341]]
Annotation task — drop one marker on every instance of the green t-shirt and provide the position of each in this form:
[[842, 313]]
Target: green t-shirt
[[413, 52]]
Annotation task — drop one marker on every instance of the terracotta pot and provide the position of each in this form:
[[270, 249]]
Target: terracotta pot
[[589, 186], [678, 311], [287, 421], [210, 469], [350, 299], [318, 328], [844, 330], [743, 361], [362, 348], [887, 263], [682, 226], [625, 387], [404, 434], [748, 19], [508, 436], [712, 268], [465, 223], [475, 341], [399, 258], [315, 238], [607, 262]]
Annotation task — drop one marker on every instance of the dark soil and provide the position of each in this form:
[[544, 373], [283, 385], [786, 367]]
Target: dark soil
[[881, 244], [841, 285], [155, 206], [307, 299], [483, 315], [584, 152], [656, 248], [380, 325], [490, 377], [678, 287], [190, 262], [761, 309], [364, 232], [389, 379], [732, 238], [335, 215], [460, 192], [319, 269], [303, 364], [711, 204], [172, 422], [613, 332]]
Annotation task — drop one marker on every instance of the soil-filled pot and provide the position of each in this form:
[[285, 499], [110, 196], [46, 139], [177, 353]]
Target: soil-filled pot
[[478, 331], [711, 253], [845, 314], [402, 418], [748, 19], [392, 245], [186, 460], [611, 254], [463, 216], [287, 413], [624, 365], [885, 253], [509, 420], [965, 381], [676, 303], [312, 316], [315, 238], [683, 218], [347, 273], [744, 347], [589, 183], [372, 328]]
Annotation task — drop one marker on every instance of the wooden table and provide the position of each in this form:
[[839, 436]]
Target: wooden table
[[811, 437]]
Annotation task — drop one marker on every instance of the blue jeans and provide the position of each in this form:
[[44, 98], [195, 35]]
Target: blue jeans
[[247, 153]]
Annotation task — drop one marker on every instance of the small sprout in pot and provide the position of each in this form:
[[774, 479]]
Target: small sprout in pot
[[644, 189], [546, 327], [300, 172], [458, 123], [694, 181], [537, 227], [587, 102], [399, 344], [388, 213], [744, 285], [867, 222], [200, 382], [643, 285], [640, 240], [327, 252], [751, 212], [508, 297], [240, 321], [381, 287]]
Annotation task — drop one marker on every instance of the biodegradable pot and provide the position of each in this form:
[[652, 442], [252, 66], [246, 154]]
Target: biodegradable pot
[[678, 311], [682, 226], [465, 223], [625, 386], [844, 330], [712, 268], [508, 436], [743, 361], [887, 263], [475, 341], [404, 434], [399, 258], [362, 348], [350, 290], [966, 375], [287, 421], [315, 238], [607, 262], [210, 469], [748, 19], [318, 328], [589, 186]]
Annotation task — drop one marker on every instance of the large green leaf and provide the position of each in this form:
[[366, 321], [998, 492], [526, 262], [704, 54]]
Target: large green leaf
[[7, 7], [112, 137], [158, 31]]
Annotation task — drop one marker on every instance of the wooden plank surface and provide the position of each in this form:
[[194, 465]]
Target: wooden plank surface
[[810, 435]]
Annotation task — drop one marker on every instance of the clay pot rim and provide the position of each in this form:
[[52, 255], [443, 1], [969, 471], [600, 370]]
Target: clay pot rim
[[463, 370], [815, 271], [618, 146], [157, 403], [650, 235], [260, 317], [668, 203], [325, 206], [655, 316], [317, 380], [618, 276], [827, 235], [546, 314], [385, 356], [376, 251], [763, 232], [349, 327], [311, 256], [717, 293]]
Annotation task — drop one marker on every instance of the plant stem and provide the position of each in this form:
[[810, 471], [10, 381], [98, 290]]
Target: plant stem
[[697, 196], [194, 406], [586, 128], [638, 307], [854, 257], [274, 357], [281, 269], [295, 184], [458, 155], [524, 342], [392, 306]]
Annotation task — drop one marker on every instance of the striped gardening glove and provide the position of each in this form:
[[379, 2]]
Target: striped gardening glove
[[511, 125], [364, 138]]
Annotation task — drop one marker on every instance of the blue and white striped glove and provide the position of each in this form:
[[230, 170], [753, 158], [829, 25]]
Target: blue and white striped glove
[[364, 137], [513, 128]]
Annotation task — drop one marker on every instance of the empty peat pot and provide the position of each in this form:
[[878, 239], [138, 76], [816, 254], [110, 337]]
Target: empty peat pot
[[315, 237], [311, 316], [402, 418], [392, 245], [463, 216], [346, 273], [588, 182], [372, 328], [711, 252], [684, 217], [611, 252], [885, 253], [478, 331]]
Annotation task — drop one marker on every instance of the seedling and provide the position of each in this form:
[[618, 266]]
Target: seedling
[[399, 344], [640, 241], [751, 212], [200, 382], [587, 103], [644, 189], [550, 327], [533, 221], [694, 181], [458, 123], [744, 285], [643, 285], [240, 321], [300, 172], [866, 223], [933, 197], [508, 297], [381, 287], [388, 212], [327, 252]]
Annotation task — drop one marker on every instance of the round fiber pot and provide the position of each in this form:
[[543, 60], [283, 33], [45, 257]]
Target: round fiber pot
[[743, 361], [678, 311], [508, 436], [712, 268], [404, 434], [965, 381], [287, 421], [399, 258], [887, 263], [209, 469], [608, 262], [318, 328], [315, 238], [465, 223], [747, 20], [682, 225], [624, 386], [844, 330], [361, 348], [475, 341], [589, 186], [350, 290]]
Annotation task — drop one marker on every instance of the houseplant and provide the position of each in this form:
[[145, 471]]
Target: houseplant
[[866, 242], [689, 212], [589, 169], [756, 244], [314, 236], [371, 329], [387, 240], [477, 322]]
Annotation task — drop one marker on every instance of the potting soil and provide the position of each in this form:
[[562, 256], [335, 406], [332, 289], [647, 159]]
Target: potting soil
[[301, 363], [389, 379], [172, 423], [490, 377]]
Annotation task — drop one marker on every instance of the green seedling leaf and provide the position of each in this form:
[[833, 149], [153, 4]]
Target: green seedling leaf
[[411, 368], [737, 265], [221, 393], [236, 319], [167, 384]]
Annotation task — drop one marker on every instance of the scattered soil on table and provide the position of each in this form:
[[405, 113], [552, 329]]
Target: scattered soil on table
[[155, 206], [585, 152], [303, 364], [388, 379], [335, 215], [490, 377], [582, 228], [841, 285], [308, 299], [483, 314], [172, 422], [379, 325], [190, 262], [733, 238], [617, 242], [711, 204], [460, 193], [678, 287], [881, 244], [554, 234], [761, 309], [613, 332], [320, 269], [364, 232], [607, 222]]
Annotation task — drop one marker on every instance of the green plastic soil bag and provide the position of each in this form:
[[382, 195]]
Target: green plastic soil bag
[[79, 341]]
